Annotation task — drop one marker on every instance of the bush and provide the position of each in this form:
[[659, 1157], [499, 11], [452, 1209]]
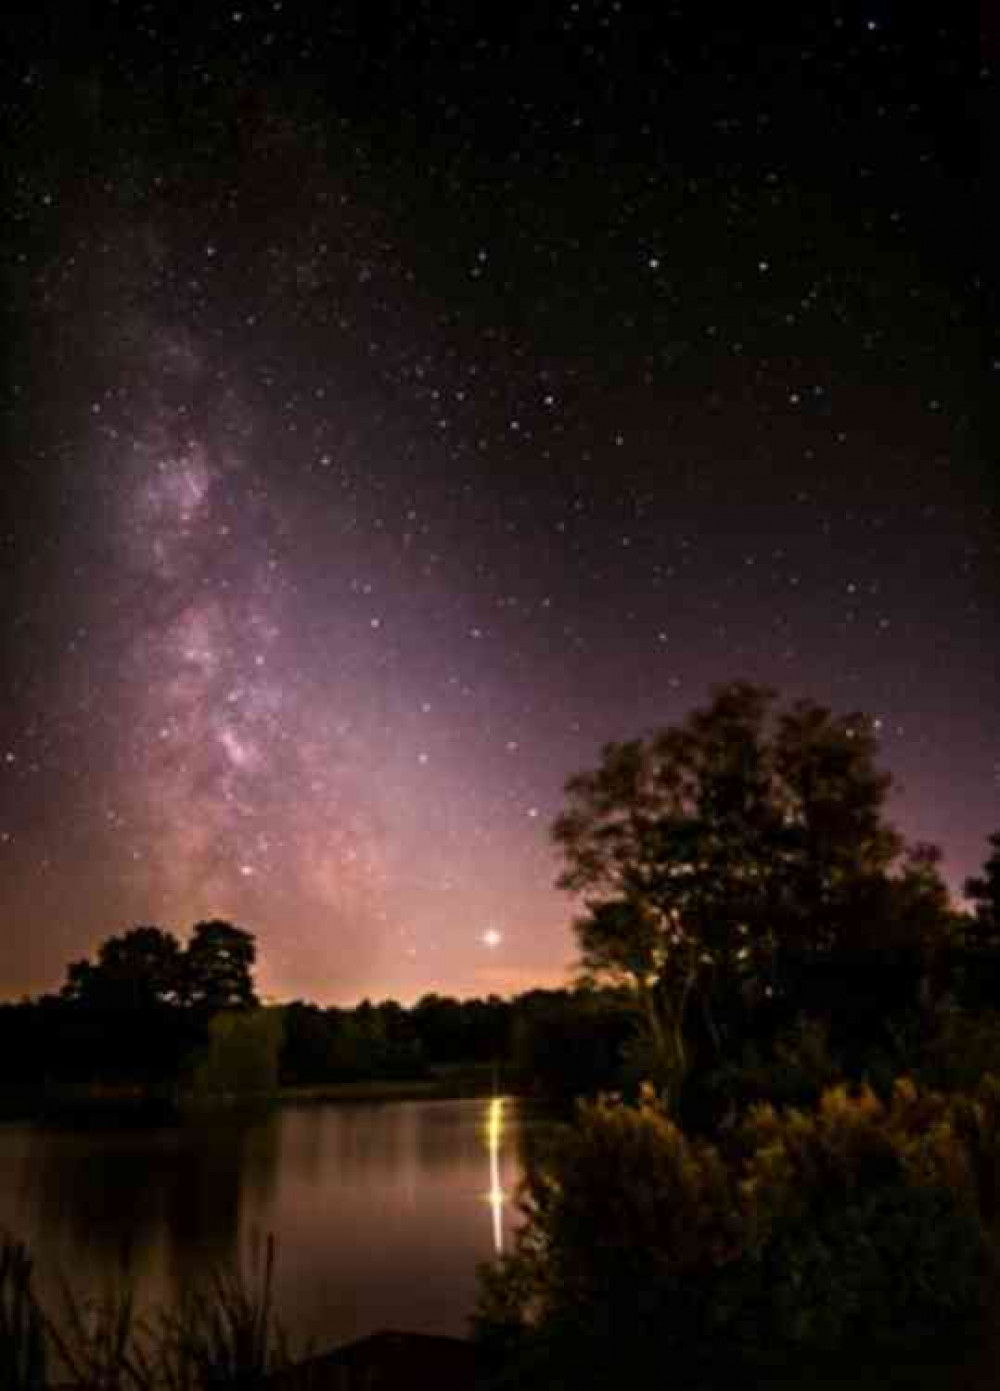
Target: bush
[[628, 1219], [241, 1058], [867, 1218], [963, 1048], [855, 1219], [570, 1044], [793, 1072]]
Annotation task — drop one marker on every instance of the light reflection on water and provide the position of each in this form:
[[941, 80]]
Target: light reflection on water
[[497, 1197], [377, 1208]]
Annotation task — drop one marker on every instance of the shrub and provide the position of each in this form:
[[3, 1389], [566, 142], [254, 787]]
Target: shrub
[[628, 1224], [867, 1218], [964, 1047], [241, 1058], [856, 1218], [793, 1072]]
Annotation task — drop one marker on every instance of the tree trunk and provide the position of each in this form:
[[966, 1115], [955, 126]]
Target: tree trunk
[[667, 1036]]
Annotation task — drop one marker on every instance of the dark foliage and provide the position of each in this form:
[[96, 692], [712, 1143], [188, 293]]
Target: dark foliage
[[718, 860], [136, 1017], [569, 1044], [984, 892], [853, 1223], [221, 1336]]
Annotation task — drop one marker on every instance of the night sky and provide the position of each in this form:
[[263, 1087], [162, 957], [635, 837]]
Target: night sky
[[401, 400]]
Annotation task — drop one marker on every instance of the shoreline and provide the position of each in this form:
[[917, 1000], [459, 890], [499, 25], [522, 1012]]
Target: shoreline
[[89, 1103]]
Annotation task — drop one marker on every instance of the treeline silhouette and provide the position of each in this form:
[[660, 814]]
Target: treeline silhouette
[[154, 1017], [147, 1013], [552, 1043], [118, 1025]]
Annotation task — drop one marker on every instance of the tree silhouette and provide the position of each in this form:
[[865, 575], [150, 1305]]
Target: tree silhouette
[[708, 853], [218, 967], [984, 892], [138, 969]]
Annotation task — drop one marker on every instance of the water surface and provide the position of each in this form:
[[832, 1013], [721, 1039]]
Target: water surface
[[381, 1210]]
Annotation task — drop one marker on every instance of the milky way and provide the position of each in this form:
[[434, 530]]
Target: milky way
[[396, 413], [242, 774], [270, 761]]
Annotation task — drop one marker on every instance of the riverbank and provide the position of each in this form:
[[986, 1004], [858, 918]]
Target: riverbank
[[324, 1093], [94, 1103], [458, 1082]]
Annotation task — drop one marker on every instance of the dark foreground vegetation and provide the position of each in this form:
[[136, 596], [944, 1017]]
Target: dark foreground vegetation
[[806, 1191], [222, 1335], [788, 1170], [851, 1242]]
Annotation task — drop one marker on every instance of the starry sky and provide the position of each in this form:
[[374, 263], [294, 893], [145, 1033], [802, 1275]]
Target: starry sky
[[400, 400]]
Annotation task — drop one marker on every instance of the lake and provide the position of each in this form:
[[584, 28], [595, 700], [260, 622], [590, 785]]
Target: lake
[[381, 1210]]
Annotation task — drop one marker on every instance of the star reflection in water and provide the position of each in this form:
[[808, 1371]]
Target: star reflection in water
[[496, 1196]]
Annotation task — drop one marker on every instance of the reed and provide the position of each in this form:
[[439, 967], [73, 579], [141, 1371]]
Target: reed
[[22, 1329], [100, 1343], [225, 1335], [222, 1336]]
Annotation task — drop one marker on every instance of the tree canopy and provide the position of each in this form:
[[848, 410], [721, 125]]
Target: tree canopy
[[984, 893], [219, 966], [708, 852], [147, 966], [142, 967]]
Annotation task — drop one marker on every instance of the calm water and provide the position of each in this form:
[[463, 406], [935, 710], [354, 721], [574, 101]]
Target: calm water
[[381, 1211]]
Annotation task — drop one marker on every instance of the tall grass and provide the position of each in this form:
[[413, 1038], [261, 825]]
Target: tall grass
[[22, 1327], [99, 1342], [222, 1336], [225, 1335]]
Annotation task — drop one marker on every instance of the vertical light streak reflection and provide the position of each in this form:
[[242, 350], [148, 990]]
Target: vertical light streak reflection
[[494, 1132]]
